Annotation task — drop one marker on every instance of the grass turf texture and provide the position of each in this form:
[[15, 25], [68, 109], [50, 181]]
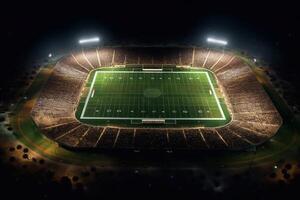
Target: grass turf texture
[[126, 96]]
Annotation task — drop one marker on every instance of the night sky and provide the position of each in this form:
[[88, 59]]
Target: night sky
[[267, 30]]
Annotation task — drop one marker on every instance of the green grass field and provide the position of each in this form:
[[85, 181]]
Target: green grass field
[[171, 97]]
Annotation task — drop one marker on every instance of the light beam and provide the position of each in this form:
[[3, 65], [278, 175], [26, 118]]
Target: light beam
[[216, 41], [89, 40]]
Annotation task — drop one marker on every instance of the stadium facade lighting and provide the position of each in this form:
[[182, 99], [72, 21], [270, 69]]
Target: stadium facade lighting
[[89, 40], [216, 41]]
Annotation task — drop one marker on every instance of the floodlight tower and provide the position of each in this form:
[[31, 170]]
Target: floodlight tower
[[88, 42], [91, 40], [217, 42]]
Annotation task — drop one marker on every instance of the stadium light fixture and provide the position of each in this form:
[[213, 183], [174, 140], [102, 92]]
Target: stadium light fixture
[[89, 40], [254, 60], [50, 55], [216, 41]]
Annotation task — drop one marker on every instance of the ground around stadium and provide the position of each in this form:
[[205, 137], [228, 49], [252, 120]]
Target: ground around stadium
[[271, 157]]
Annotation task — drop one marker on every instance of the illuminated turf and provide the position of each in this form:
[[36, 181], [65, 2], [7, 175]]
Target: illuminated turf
[[146, 95]]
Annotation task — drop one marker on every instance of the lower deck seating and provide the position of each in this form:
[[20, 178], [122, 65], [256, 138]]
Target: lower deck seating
[[91, 137], [125, 139], [177, 139], [151, 139], [247, 134], [108, 138], [212, 139], [57, 131], [73, 137], [233, 140], [194, 139]]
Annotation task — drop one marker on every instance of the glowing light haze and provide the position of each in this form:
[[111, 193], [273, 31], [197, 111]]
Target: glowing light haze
[[89, 40], [216, 41]]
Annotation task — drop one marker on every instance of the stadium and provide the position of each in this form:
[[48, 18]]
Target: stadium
[[154, 98], [150, 100]]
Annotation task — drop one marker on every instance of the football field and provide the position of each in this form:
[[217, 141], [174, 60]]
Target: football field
[[152, 95]]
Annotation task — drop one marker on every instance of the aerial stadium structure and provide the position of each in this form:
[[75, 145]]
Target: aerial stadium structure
[[155, 98]]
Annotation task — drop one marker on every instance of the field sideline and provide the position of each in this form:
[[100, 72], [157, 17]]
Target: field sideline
[[180, 95]]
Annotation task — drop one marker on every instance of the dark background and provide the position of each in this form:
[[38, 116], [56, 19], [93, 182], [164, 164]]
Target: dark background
[[267, 30]]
